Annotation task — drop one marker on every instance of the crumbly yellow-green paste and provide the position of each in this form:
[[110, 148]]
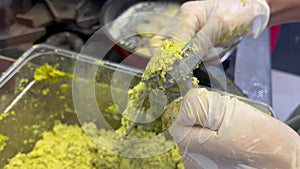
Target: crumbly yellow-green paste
[[3, 116], [3, 140], [243, 3], [67, 146], [157, 68], [164, 59], [3, 97], [50, 73], [159, 65], [232, 33], [22, 83], [113, 112], [170, 114]]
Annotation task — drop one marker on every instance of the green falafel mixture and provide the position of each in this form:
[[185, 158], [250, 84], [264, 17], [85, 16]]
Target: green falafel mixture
[[50, 73], [3, 140], [68, 146], [157, 68]]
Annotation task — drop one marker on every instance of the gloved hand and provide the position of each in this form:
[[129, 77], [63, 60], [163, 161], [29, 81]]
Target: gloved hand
[[215, 131], [215, 23]]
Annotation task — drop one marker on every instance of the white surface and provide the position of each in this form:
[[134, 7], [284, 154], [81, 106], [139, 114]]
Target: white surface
[[285, 93]]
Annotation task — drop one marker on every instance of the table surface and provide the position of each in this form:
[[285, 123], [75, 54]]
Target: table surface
[[5, 63]]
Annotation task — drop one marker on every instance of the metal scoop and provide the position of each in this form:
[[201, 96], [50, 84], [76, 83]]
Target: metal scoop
[[179, 70]]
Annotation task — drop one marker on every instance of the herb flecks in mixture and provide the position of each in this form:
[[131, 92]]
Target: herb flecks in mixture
[[230, 35], [170, 114], [68, 146], [46, 91], [243, 3], [157, 68], [3, 140], [50, 73], [156, 72], [113, 112], [3, 116], [164, 59]]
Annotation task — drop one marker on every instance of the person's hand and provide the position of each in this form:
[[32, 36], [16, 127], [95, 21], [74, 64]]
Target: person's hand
[[215, 131], [215, 23]]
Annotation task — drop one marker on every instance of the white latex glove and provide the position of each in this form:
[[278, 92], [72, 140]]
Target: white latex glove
[[216, 131], [215, 23]]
